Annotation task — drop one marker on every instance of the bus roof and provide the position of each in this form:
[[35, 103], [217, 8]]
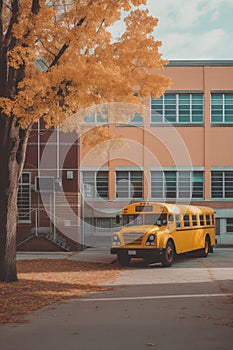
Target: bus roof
[[173, 208]]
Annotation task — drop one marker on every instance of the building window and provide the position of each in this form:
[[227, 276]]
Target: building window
[[217, 227], [222, 108], [96, 118], [129, 184], [103, 223], [177, 184], [222, 184], [95, 184], [182, 108], [24, 198], [230, 226], [136, 120]]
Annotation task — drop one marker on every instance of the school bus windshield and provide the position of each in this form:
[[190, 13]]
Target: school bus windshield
[[144, 219]]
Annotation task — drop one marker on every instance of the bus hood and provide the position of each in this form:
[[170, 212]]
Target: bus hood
[[141, 229]]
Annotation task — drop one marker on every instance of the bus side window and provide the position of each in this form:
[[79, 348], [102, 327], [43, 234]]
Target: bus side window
[[170, 218], [194, 220], [178, 220], [186, 220], [202, 223], [213, 220], [207, 219]]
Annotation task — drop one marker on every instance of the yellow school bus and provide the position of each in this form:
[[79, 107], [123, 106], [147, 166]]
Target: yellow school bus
[[157, 232]]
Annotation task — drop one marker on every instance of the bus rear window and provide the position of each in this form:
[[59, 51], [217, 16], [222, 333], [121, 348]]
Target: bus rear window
[[212, 219], [207, 219]]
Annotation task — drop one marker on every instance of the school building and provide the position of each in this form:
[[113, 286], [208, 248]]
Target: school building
[[179, 151]]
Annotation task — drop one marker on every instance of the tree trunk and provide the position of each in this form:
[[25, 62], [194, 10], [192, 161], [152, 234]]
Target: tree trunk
[[13, 141]]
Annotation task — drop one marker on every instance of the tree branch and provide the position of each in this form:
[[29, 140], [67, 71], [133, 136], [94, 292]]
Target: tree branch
[[101, 25], [13, 20], [48, 50], [65, 46], [1, 21], [35, 7]]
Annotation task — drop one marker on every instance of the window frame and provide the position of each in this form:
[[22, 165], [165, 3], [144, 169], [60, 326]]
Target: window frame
[[129, 173], [223, 187], [162, 184], [178, 108], [229, 225], [96, 195], [92, 119], [223, 107], [28, 184]]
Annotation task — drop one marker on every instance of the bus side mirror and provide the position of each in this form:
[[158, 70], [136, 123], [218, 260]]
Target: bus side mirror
[[118, 219]]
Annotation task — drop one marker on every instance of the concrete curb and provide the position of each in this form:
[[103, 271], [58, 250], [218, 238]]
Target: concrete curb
[[91, 255]]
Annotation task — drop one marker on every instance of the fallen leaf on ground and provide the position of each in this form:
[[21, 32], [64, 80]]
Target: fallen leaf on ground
[[43, 282]]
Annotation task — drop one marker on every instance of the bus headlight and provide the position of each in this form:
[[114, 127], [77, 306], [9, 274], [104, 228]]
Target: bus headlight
[[150, 240], [116, 240]]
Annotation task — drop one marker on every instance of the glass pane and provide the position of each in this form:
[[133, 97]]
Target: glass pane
[[157, 110], [102, 184], [184, 184], [229, 114], [216, 108], [194, 220], [217, 184], [137, 119], [170, 107], [197, 108], [170, 178], [122, 184], [228, 184], [101, 118], [157, 116], [184, 108], [89, 177], [89, 118], [230, 225], [23, 198], [186, 220], [202, 222], [207, 219], [198, 185], [229, 100], [216, 99], [156, 184], [136, 184], [103, 222]]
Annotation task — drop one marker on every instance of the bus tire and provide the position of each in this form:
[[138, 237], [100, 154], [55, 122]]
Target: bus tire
[[205, 251], [123, 259], [168, 255]]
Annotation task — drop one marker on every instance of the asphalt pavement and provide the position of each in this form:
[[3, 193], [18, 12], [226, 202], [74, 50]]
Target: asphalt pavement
[[186, 306]]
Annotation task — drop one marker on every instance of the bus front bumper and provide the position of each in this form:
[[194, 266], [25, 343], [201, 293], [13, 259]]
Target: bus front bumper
[[148, 254]]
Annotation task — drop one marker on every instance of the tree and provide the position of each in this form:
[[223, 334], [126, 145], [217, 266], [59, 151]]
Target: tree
[[56, 58]]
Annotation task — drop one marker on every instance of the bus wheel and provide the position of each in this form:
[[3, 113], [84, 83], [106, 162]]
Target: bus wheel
[[124, 259], [168, 255], [206, 249]]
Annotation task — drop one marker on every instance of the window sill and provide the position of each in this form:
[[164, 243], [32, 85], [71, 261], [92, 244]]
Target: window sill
[[177, 124], [222, 124]]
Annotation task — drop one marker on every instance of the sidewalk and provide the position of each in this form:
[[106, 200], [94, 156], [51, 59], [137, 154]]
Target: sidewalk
[[93, 255]]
